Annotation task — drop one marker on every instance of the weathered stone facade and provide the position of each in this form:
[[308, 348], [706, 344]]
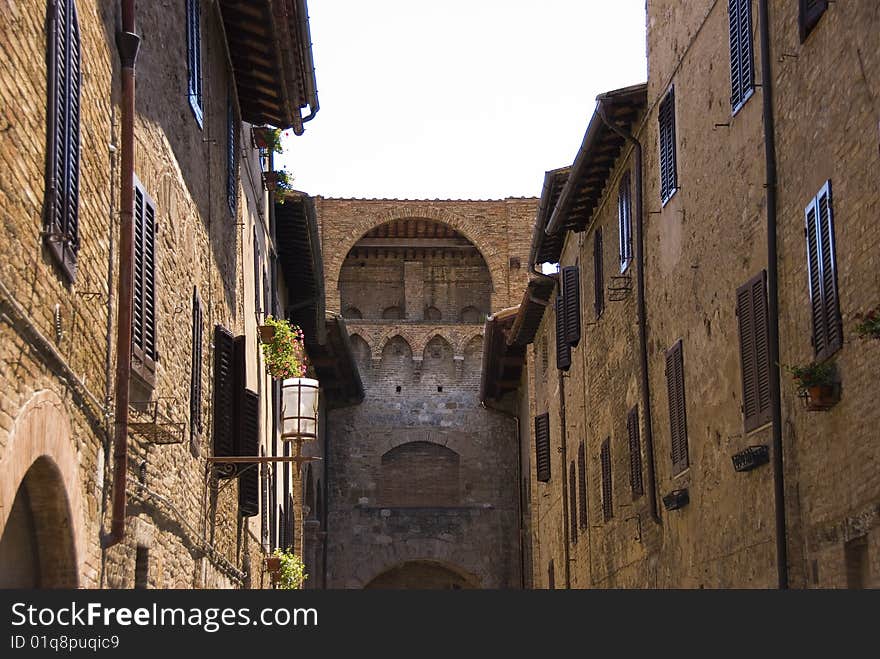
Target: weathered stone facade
[[422, 480]]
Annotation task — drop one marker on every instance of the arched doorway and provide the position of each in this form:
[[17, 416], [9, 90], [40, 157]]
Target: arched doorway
[[423, 575], [37, 546]]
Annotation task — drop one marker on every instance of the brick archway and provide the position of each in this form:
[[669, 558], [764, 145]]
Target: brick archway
[[41, 458], [423, 574]]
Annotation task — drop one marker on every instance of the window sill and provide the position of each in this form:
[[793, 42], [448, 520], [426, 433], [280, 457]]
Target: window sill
[[665, 201], [197, 112]]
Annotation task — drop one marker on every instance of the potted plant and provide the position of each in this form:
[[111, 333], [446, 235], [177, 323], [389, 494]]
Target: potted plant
[[266, 138], [284, 353], [292, 570], [273, 563], [278, 180], [868, 326], [816, 384]]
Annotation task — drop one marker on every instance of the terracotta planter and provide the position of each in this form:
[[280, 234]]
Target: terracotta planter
[[273, 563], [267, 333], [822, 397]]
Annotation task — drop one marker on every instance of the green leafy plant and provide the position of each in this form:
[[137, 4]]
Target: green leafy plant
[[292, 573], [868, 326], [814, 374], [283, 181], [285, 354], [268, 138]]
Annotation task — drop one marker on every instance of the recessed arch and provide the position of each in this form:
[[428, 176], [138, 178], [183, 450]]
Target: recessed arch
[[423, 574], [419, 474], [363, 354]]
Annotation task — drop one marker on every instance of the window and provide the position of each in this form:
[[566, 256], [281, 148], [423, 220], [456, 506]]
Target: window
[[545, 359], [141, 567], [751, 312], [224, 398], [668, 173], [624, 222], [857, 564], [571, 304], [582, 485], [563, 350], [542, 447], [810, 13], [635, 452], [231, 155], [61, 223], [258, 269], [194, 58], [822, 268], [598, 274], [742, 70], [573, 504], [551, 576], [248, 445], [677, 414], [195, 385], [143, 320], [605, 459]]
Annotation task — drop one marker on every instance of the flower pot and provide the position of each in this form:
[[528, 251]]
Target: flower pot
[[261, 136], [822, 397], [273, 563], [267, 333]]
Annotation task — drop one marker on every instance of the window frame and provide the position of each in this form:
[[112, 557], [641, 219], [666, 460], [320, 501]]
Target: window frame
[[823, 240], [742, 53], [754, 332], [194, 60], [669, 184], [144, 354], [624, 222]]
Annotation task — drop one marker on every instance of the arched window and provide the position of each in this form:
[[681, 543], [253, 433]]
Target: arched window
[[392, 313], [433, 313], [471, 315], [353, 313]]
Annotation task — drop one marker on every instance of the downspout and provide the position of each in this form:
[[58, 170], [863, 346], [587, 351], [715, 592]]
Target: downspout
[[565, 502], [641, 310], [773, 296], [127, 43]]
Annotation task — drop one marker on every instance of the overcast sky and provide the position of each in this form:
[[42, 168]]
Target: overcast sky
[[457, 99]]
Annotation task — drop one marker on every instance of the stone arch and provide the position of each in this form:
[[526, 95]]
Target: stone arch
[[390, 334], [494, 256], [470, 314], [363, 353], [396, 359], [351, 312], [466, 340], [433, 313], [438, 360], [40, 459], [392, 313], [423, 574], [421, 342]]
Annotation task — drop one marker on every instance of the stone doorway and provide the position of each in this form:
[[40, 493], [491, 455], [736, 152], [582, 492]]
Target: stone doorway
[[423, 575]]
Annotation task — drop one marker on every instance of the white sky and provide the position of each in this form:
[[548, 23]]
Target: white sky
[[457, 99]]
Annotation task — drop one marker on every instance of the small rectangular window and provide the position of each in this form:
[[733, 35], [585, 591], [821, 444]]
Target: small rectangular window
[[624, 222], [742, 70], [810, 11], [822, 272], [141, 568], [598, 273], [668, 167], [144, 354], [677, 409], [754, 341], [194, 58], [605, 459], [542, 447]]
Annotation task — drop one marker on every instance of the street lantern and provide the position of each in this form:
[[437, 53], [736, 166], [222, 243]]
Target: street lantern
[[299, 409]]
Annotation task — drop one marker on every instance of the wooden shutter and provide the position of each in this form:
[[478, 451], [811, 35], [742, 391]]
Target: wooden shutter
[[572, 502], [571, 294], [249, 445], [742, 73], [194, 57], [143, 330], [551, 576], [231, 155], [195, 385], [677, 413], [624, 222], [563, 350], [822, 268], [582, 485], [668, 173], [598, 273], [605, 459], [751, 312], [542, 447], [282, 528], [810, 13], [257, 270], [635, 452], [224, 398], [64, 80]]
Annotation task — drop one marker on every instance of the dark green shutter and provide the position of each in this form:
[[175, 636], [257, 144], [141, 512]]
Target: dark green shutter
[[143, 330], [563, 350], [598, 273], [542, 447], [249, 445], [571, 294]]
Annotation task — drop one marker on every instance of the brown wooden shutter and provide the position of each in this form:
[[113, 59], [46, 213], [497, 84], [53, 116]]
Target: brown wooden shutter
[[605, 459], [551, 576], [258, 308], [582, 485], [572, 502], [571, 295], [249, 445], [635, 452], [224, 398], [751, 312], [668, 173], [542, 447], [822, 268], [598, 273], [195, 386], [143, 330], [742, 74], [563, 350], [810, 13], [677, 413], [64, 80]]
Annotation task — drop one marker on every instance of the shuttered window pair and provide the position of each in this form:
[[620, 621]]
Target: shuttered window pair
[[810, 11], [677, 410], [598, 273], [751, 313], [822, 268], [668, 167], [542, 447], [742, 70], [624, 222], [635, 453], [61, 219], [144, 352], [195, 386], [194, 58], [605, 460]]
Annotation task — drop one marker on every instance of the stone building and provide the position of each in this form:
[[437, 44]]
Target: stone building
[[201, 216], [666, 446], [420, 480]]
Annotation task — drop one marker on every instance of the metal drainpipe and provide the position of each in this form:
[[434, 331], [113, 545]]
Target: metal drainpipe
[[773, 297], [565, 504], [127, 43], [641, 312]]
